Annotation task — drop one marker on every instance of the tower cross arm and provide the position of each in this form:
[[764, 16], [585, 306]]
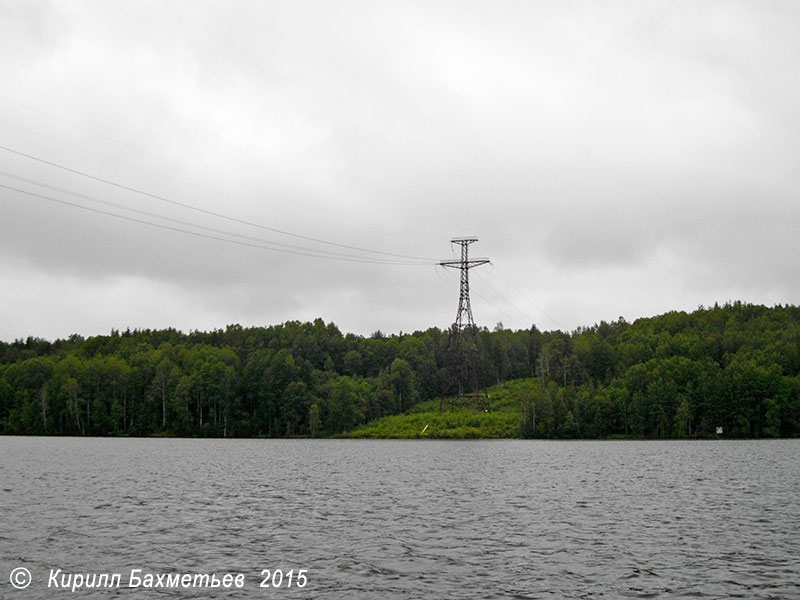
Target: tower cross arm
[[468, 264]]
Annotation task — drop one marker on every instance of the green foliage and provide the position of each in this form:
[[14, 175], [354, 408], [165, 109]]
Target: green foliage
[[679, 375], [460, 423]]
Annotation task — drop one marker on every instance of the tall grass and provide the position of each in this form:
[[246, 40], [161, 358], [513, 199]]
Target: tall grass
[[502, 420]]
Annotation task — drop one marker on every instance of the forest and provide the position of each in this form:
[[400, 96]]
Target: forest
[[677, 375]]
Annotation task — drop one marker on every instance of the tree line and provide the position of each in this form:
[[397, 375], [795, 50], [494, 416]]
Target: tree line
[[735, 366]]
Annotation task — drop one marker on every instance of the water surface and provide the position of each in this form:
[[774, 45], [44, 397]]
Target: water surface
[[408, 519]]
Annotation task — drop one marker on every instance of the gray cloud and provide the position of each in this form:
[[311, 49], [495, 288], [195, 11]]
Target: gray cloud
[[617, 160]]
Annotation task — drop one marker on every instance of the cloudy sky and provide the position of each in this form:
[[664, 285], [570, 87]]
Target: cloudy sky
[[195, 164]]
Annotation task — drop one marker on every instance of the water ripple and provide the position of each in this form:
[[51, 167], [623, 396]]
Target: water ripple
[[382, 519]]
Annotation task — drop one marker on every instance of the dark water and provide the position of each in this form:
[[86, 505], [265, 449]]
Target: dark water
[[383, 519]]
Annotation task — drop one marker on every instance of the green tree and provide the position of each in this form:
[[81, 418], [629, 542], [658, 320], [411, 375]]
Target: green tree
[[683, 419]]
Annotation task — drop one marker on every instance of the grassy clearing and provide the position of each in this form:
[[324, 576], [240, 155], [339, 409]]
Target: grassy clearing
[[462, 422]]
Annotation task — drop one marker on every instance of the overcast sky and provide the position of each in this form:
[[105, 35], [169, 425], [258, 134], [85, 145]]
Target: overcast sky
[[613, 158]]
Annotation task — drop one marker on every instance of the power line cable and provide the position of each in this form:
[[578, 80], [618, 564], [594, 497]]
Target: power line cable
[[489, 302], [507, 301], [497, 308], [203, 235], [210, 212], [186, 223], [110, 159], [525, 297], [136, 148], [149, 171]]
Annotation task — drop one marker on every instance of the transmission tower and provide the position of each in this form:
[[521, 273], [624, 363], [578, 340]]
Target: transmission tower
[[464, 265], [463, 351]]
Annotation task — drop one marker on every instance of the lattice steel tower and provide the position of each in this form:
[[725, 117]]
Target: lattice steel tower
[[464, 265], [463, 344]]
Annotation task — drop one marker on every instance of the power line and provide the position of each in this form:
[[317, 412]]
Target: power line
[[464, 308], [507, 301], [141, 150], [108, 158], [490, 303], [500, 310], [525, 297], [203, 235], [209, 212], [147, 171], [194, 225]]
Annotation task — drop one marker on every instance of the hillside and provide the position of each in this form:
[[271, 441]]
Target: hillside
[[465, 420], [735, 366]]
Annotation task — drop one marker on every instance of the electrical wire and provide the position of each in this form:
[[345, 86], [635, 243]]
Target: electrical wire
[[203, 235], [528, 317], [525, 297], [194, 225], [497, 308], [489, 302], [210, 212], [250, 241], [110, 159], [136, 148], [147, 171]]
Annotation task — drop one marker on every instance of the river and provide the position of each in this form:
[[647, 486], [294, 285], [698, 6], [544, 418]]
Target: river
[[401, 519]]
